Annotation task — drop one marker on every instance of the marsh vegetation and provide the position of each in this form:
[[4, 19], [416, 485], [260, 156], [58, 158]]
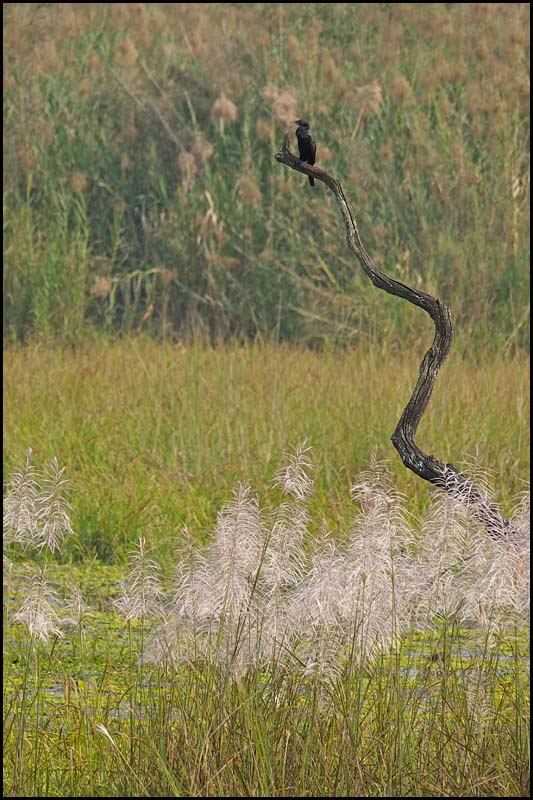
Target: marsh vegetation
[[195, 602]]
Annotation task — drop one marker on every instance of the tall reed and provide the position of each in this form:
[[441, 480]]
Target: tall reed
[[140, 190]]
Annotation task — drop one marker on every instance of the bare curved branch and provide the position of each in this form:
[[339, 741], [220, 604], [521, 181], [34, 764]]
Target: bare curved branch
[[425, 466]]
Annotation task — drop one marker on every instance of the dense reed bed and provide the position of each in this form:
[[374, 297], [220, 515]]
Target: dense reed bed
[[141, 192]]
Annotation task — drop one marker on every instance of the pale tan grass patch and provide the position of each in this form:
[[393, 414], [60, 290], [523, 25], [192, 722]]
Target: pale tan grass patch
[[324, 153], [263, 130], [386, 151], [202, 147], [284, 103], [78, 182], [101, 287], [224, 109], [93, 65], [285, 107], [188, 167], [393, 36], [249, 190], [400, 90], [127, 52], [27, 157], [367, 99], [330, 71]]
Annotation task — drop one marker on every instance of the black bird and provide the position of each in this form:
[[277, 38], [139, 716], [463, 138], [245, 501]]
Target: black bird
[[306, 144]]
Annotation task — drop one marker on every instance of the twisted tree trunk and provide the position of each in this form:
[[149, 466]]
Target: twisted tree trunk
[[426, 466]]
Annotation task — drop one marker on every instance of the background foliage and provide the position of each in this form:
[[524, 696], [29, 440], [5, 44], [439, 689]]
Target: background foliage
[[140, 189]]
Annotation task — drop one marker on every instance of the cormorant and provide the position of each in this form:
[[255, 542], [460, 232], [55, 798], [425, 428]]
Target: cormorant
[[306, 144]]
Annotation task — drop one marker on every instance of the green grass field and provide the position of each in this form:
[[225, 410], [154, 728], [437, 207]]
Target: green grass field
[[156, 436]]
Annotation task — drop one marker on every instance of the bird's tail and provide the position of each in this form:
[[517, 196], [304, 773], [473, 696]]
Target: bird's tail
[[311, 180]]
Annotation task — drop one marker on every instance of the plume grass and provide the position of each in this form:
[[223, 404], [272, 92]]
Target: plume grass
[[338, 600], [387, 660]]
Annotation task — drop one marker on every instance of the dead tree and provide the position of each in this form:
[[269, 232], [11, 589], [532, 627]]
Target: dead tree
[[446, 476]]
